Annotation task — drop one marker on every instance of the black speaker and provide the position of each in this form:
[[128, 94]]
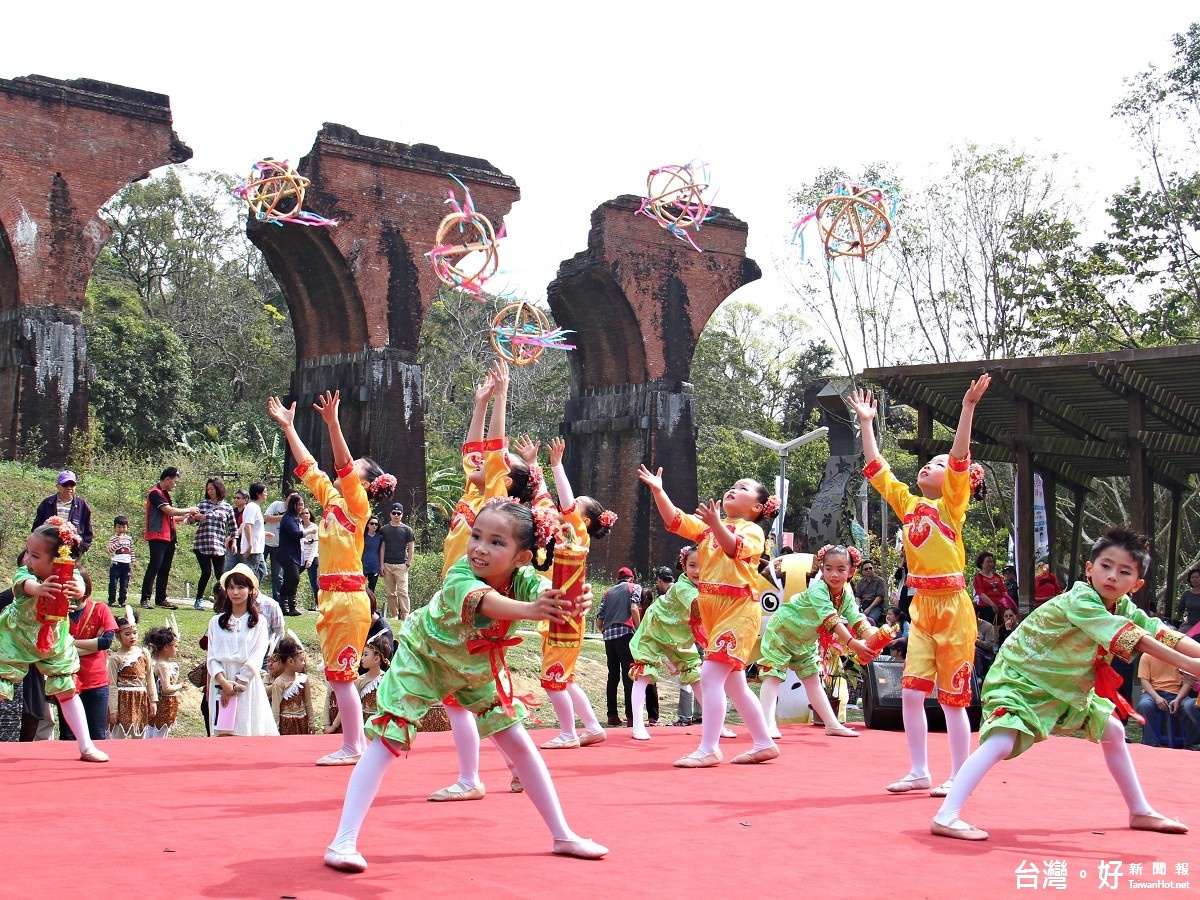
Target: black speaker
[[883, 708]]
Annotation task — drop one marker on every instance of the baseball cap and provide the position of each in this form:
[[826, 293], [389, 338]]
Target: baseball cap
[[666, 573], [67, 477], [624, 572], [398, 507]]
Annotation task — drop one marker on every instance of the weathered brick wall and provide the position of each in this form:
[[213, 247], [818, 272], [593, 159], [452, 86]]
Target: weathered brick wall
[[358, 293], [638, 299], [66, 147]]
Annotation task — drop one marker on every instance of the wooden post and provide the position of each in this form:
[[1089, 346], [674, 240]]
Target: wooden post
[[1141, 493], [924, 434], [1050, 492], [1024, 515], [1173, 552], [1076, 572]]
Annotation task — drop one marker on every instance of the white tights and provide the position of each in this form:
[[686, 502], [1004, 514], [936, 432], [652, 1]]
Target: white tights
[[768, 696], [72, 711], [1000, 743], [570, 703], [350, 709], [718, 680], [514, 742], [465, 729], [916, 732]]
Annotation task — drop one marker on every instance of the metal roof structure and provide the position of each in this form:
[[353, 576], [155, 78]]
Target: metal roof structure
[[1127, 413]]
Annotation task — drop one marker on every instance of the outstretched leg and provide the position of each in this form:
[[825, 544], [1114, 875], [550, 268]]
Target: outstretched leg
[[515, 741], [466, 745], [342, 853], [638, 705], [958, 732], [712, 705], [751, 712], [1142, 816], [823, 708], [72, 710], [564, 708], [946, 823], [768, 696], [593, 733]]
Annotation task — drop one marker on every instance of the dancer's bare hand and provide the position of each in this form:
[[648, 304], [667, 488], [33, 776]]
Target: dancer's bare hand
[[863, 403], [977, 389], [652, 480], [327, 406], [284, 415]]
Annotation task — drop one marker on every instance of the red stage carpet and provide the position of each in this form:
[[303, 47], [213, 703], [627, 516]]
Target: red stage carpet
[[250, 818]]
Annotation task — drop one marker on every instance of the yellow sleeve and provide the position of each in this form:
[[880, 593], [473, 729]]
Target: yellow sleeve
[[495, 474], [317, 482], [751, 541], [893, 490], [688, 526], [956, 490]]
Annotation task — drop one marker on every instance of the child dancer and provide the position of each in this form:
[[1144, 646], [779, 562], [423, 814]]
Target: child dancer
[[587, 519], [31, 633], [665, 631], [793, 639], [164, 646], [456, 645], [941, 641], [1053, 676], [729, 611], [291, 694], [344, 615], [132, 694], [377, 658], [490, 472]]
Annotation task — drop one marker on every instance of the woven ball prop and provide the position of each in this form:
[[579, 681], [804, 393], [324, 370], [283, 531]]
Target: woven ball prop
[[466, 263], [853, 221], [521, 332], [274, 191], [675, 199]]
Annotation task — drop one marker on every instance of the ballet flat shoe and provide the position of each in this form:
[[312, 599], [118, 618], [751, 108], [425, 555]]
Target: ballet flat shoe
[[728, 733], [970, 833], [581, 848], [843, 731], [699, 762], [515, 786], [338, 758], [942, 789], [588, 738], [558, 742], [751, 757], [1157, 823], [909, 783], [93, 755], [344, 862], [445, 794], [640, 735]]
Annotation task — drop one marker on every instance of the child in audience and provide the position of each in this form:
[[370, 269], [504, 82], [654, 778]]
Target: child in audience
[[164, 646], [120, 546], [291, 695], [377, 657], [133, 696]]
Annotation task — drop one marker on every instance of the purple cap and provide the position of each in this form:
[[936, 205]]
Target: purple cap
[[68, 475]]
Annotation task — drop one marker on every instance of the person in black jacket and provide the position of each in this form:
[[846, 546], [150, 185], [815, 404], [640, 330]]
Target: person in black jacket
[[77, 511]]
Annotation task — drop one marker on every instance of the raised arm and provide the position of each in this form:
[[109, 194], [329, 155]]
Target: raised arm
[[327, 408], [562, 484], [961, 448], [286, 417], [653, 480], [497, 424], [864, 406], [483, 394]]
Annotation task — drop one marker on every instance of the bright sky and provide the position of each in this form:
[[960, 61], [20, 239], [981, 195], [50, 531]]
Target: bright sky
[[578, 101]]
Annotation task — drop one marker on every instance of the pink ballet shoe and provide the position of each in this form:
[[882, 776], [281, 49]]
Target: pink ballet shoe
[[943, 789], [1156, 822], [591, 738], [969, 833], [339, 758], [751, 757], [692, 761], [93, 755], [841, 731], [447, 794], [345, 862], [580, 848], [515, 786], [909, 783], [559, 742]]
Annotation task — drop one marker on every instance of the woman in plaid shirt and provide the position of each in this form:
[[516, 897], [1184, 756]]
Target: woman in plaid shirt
[[217, 524]]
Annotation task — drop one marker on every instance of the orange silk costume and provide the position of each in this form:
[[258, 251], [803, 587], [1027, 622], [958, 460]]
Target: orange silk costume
[[558, 663], [491, 456], [728, 599], [941, 642], [344, 616]]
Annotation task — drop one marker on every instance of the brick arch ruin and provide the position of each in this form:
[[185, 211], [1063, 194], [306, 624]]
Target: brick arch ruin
[[66, 147]]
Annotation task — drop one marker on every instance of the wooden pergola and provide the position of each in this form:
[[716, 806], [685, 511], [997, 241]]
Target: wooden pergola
[[1071, 419]]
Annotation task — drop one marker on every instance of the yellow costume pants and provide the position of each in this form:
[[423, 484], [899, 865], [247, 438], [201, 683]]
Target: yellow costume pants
[[941, 646]]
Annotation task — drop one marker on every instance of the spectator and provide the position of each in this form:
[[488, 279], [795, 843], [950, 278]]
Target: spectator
[[1009, 620], [990, 593], [161, 518], [379, 625], [233, 543], [1045, 585], [288, 553], [272, 516], [1189, 601], [67, 504], [120, 548], [871, 592], [1162, 694], [237, 642], [1010, 584], [93, 628], [398, 544], [616, 621], [372, 552], [1190, 712], [310, 551], [212, 533], [253, 531], [893, 616]]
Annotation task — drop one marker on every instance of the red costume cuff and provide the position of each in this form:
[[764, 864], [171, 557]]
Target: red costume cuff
[[304, 465], [960, 465], [346, 470], [674, 525], [1124, 641], [874, 467]]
